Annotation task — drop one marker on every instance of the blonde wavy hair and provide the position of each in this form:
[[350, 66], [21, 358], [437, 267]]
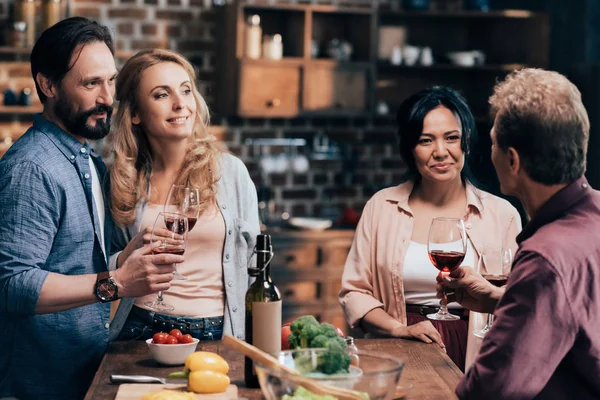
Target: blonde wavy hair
[[132, 167]]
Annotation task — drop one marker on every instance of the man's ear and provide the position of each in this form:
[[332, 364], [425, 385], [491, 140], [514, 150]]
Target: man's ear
[[46, 85], [514, 161]]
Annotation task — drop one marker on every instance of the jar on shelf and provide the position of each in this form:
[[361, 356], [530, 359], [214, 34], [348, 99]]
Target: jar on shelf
[[25, 11], [273, 47], [50, 13], [352, 351], [253, 36], [18, 34]]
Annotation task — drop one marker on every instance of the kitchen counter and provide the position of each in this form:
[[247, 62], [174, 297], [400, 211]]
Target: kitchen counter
[[427, 367]]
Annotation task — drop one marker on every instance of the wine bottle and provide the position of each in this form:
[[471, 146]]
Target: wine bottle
[[263, 309]]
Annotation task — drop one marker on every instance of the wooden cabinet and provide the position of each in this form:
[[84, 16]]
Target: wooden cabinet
[[314, 77], [336, 88], [307, 268], [269, 90]]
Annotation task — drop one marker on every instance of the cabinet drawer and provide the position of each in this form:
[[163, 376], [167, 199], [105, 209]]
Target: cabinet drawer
[[297, 256], [269, 91], [335, 89], [299, 292]]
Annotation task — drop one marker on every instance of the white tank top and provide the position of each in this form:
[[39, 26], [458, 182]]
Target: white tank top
[[420, 275]]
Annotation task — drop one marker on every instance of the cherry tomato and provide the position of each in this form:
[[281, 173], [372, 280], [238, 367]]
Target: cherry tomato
[[177, 333], [187, 338], [159, 338], [172, 340]]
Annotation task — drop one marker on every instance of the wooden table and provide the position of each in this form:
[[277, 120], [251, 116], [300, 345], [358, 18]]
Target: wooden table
[[433, 375]]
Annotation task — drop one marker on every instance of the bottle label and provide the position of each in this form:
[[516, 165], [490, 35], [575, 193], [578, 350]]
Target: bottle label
[[266, 326]]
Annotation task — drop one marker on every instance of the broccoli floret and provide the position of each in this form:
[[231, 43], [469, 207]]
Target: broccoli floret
[[328, 330], [299, 324], [334, 360], [320, 341], [308, 334], [304, 329], [340, 342]]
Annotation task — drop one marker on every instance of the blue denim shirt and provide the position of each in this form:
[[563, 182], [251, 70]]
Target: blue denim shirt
[[48, 223]]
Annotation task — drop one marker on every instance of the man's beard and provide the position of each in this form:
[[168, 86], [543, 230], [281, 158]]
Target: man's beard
[[76, 122]]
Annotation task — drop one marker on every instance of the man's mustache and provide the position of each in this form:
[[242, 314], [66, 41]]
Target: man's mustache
[[99, 109]]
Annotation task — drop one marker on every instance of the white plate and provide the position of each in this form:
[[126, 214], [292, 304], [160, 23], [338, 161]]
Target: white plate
[[313, 224]]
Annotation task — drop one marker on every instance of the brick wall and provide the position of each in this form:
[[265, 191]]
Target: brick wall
[[370, 162]]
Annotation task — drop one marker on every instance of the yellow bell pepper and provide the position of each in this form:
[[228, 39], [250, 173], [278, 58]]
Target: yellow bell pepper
[[206, 372], [207, 382], [206, 361]]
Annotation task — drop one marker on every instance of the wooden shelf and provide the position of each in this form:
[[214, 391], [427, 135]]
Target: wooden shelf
[[337, 63], [516, 14], [20, 110], [15, 50], [308, 7], [387, 67], [284, 61]]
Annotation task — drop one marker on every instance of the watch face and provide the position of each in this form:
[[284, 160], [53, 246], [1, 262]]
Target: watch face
[[106, 290]]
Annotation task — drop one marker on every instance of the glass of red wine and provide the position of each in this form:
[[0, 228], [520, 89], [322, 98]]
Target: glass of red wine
[[494, 265], [171, 231], [184, 200], [447, 245]]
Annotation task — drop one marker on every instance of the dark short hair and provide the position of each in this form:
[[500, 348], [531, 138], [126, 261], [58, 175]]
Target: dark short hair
[[51, 56], [540, 114], [412, 113]]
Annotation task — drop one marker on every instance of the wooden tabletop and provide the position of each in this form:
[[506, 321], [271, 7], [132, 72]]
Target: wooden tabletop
[[432, 374]]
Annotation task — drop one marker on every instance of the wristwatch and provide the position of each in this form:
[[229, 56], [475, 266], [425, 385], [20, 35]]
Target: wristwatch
[[106, 288]]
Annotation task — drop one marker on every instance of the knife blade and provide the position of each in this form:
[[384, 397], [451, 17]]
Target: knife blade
[[136, 379]]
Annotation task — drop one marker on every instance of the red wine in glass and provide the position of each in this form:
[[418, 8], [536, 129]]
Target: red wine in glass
[[170, 221], [496, 280], [168, 250], [191, 222], [446, 261]]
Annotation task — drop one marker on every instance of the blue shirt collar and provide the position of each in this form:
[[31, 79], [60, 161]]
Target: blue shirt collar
[[66, 143]]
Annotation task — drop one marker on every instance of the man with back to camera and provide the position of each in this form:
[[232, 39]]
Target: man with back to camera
[[55, 226], [545, 340]]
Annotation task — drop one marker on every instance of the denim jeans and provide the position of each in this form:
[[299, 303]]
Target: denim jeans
[[143, 324]]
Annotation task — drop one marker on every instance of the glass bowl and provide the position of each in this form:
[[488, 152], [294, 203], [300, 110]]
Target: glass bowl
[[375, 375]]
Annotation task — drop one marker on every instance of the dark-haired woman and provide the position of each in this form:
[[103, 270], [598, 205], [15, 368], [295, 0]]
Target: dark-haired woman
[[388, 285]]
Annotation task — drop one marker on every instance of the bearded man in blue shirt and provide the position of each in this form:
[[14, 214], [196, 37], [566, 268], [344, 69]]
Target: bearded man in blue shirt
[[55, 227]]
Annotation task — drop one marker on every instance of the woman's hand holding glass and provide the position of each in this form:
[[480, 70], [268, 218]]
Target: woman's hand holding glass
[[447, 246], [169, 236]]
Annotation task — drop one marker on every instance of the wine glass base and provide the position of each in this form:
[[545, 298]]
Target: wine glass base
[[178, 277], [439, 316], [159, 306], [481, 333]]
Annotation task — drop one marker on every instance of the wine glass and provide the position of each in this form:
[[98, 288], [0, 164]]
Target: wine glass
[[447, 245], [171, 231], [184, 200], [493, 267]]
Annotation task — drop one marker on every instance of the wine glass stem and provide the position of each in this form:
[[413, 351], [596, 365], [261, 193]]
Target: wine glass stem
[[488, 323], [159, 299]]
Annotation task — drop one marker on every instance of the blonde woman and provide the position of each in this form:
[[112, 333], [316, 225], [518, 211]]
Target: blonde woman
[[161, 138]]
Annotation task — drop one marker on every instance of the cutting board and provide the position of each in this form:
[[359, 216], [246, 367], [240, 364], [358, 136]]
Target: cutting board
[[135, 391]]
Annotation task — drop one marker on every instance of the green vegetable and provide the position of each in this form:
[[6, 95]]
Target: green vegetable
[[307, 333], [179, 375], [303, 394]]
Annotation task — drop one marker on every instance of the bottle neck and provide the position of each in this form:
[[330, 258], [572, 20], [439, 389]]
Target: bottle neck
[[262, 259]]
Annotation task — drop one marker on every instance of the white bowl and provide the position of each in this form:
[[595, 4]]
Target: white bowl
[[171, 354], [313, 224]]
